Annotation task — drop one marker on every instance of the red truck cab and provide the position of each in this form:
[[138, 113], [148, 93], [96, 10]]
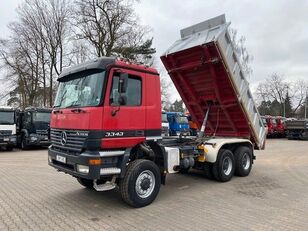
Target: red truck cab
[[271, 126], [103, 108], [280, 126]]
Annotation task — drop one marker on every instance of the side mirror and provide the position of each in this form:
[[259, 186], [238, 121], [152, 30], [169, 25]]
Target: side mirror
[[122, 100], [122, 87]]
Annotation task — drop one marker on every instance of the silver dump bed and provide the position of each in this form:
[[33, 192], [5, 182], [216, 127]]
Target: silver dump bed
[[207, 73]]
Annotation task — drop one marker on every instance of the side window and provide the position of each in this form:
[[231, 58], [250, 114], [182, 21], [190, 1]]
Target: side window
[[133, 93], [28, 117]]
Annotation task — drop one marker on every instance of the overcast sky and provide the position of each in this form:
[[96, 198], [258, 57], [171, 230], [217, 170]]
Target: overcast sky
[[276, 31]]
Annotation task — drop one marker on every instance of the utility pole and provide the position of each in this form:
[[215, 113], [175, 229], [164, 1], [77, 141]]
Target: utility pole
[[306, 104]]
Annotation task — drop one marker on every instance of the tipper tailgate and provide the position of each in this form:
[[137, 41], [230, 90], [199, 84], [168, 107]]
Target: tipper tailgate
[[205, 70]]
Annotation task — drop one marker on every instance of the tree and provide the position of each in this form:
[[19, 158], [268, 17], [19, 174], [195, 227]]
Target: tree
[[112, 28], [288, 111], [177, 106], [34, 54], [285, 97], [265, 108]]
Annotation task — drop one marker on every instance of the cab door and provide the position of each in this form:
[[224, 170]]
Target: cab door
[[124, 120]]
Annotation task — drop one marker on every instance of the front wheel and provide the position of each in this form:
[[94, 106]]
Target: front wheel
[[24, 145], [9, 148], [223, 168], [141, 183]]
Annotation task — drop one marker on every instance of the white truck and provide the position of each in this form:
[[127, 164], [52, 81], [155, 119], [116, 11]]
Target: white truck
[[8, 127]]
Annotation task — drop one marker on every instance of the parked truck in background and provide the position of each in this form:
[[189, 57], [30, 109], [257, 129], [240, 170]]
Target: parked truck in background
[[297, 129], [34, 127], [164, 124], [270, 124], [106, 123], [8, 127], [280, 126], [178, 124]]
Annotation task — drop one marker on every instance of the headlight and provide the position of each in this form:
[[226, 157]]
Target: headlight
[[49, 159], [82, 169]]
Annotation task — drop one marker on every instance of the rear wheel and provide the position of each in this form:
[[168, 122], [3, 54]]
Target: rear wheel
[[243, 161], [141, 183], [223, 168]]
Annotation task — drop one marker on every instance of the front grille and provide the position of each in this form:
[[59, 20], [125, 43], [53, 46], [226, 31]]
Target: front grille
[[42, 132], [5, 133], [75, 140]]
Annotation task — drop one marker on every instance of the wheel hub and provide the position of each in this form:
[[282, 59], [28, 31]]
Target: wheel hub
[[227, 165], [145, 184], [246, 161]]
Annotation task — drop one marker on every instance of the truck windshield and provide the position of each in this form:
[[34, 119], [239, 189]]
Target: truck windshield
[[41, 117], [264, 121], [182, 120], [86, 90], [164, 118], [7, 117]]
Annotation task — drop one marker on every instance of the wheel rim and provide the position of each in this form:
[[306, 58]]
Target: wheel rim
[[246, 161], [145, 184], [227, 165]]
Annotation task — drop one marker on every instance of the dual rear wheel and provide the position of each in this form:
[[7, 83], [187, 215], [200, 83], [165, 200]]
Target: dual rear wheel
[[228, 164]]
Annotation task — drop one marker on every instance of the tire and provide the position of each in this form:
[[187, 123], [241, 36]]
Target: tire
[[208, 170], [9, 148], [223, 168], [86, 183], [140, 172], [243, 161], [24, 145]]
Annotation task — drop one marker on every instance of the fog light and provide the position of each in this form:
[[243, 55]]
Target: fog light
[[108, 171], [82, 169], [49, 159], [33, 138]]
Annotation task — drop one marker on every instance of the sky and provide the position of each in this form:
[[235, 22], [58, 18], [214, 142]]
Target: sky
[[276, 31]]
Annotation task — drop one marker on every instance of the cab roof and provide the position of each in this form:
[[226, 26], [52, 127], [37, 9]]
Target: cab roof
[[101, 64]]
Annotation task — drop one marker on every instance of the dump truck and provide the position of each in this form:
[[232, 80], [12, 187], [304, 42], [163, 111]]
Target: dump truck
[[106, 123], [296, 129]]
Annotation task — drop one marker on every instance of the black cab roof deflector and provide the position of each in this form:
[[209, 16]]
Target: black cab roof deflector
[[97, 64]]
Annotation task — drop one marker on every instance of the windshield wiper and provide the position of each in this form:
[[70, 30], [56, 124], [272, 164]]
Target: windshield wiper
[[6, 122], [73, 104]]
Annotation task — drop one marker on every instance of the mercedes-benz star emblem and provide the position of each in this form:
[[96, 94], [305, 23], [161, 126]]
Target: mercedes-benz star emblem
[[63, 138]]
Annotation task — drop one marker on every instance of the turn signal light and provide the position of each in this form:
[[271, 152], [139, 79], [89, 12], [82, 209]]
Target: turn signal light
[[95, 161]]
